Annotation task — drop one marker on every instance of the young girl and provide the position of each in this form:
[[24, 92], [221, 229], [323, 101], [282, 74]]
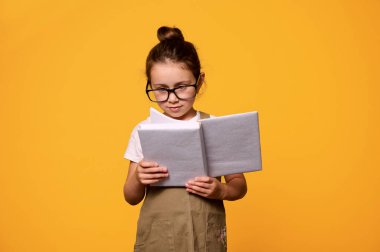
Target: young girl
[[190, 218]]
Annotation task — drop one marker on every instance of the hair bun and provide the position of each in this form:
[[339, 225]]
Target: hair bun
[[167, 33]]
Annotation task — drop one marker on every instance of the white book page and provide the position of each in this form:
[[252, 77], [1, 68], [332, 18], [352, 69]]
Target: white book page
[[232, 144], [157, 117], [180, 150]]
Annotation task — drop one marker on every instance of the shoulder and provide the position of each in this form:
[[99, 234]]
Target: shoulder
[[147, 120], [204, 115], [134, 152], [134, 131]]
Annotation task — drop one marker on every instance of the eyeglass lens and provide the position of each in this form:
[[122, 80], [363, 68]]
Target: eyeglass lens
[[182, 92]]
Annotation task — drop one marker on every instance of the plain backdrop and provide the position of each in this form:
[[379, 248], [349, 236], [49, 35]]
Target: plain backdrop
[[72, 89]]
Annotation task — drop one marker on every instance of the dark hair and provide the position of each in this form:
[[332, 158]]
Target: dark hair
[[173, 47]]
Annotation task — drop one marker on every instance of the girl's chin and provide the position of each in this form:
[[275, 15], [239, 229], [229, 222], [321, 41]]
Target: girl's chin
[[178, 114], [175, 115]]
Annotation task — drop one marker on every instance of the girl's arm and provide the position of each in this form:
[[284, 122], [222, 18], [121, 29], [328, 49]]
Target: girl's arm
[[234, 188], [134, 191], [139, 175]]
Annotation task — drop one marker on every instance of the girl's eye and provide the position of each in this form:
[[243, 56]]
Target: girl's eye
[[181, 87], [160, 90]]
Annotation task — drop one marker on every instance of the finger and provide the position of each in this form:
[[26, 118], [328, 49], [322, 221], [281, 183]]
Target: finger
[[199, 184], [204, 179], [150, 181], [143, 163], [153, 175], [198, 189], [154, 170], [196, 192]]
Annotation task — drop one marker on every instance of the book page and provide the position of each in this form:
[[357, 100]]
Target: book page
[[177, 147], [232, 144], [157, 117]]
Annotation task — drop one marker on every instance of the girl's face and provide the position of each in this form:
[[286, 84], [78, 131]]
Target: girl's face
[[171, 75]]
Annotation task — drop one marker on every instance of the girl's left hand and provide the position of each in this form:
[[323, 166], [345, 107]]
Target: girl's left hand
[[207, 187]]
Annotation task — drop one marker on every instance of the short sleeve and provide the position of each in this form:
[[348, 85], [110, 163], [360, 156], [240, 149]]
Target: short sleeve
[[134, 151]]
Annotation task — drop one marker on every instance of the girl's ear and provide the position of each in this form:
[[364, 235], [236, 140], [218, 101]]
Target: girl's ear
[[200, 81]]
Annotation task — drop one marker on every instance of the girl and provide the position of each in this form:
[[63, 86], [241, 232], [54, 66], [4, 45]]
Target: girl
[[191, 218]]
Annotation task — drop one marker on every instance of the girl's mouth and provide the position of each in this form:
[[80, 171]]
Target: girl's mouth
[[174, 109]]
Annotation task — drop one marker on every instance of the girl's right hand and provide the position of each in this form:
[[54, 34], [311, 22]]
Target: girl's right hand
[[148, 172]]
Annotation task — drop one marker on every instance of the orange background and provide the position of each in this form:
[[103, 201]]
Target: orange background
[[72, 88]]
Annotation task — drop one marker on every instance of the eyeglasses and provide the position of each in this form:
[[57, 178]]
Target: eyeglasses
[[182, 92]]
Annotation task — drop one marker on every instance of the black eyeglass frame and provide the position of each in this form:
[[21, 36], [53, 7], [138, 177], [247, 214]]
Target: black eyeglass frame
[[171, 90]]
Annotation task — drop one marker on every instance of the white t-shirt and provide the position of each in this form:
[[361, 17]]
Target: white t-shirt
[[134, 152]]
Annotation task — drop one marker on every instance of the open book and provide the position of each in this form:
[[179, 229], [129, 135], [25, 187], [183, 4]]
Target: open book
[[210, 147]]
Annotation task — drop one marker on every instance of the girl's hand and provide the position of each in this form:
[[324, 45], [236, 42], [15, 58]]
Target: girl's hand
[[207, 187], [150, 172]]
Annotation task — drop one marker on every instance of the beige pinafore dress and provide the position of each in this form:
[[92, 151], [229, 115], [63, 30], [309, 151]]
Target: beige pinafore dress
[[173, 220]]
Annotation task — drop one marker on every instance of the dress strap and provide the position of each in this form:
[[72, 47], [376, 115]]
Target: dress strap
[[204, 115]]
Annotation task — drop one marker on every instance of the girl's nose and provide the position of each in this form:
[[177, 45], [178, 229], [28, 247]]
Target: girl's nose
[[172, 97]]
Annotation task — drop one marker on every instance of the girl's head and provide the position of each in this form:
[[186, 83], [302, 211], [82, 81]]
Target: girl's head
[[174, 48], [174, 74]]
